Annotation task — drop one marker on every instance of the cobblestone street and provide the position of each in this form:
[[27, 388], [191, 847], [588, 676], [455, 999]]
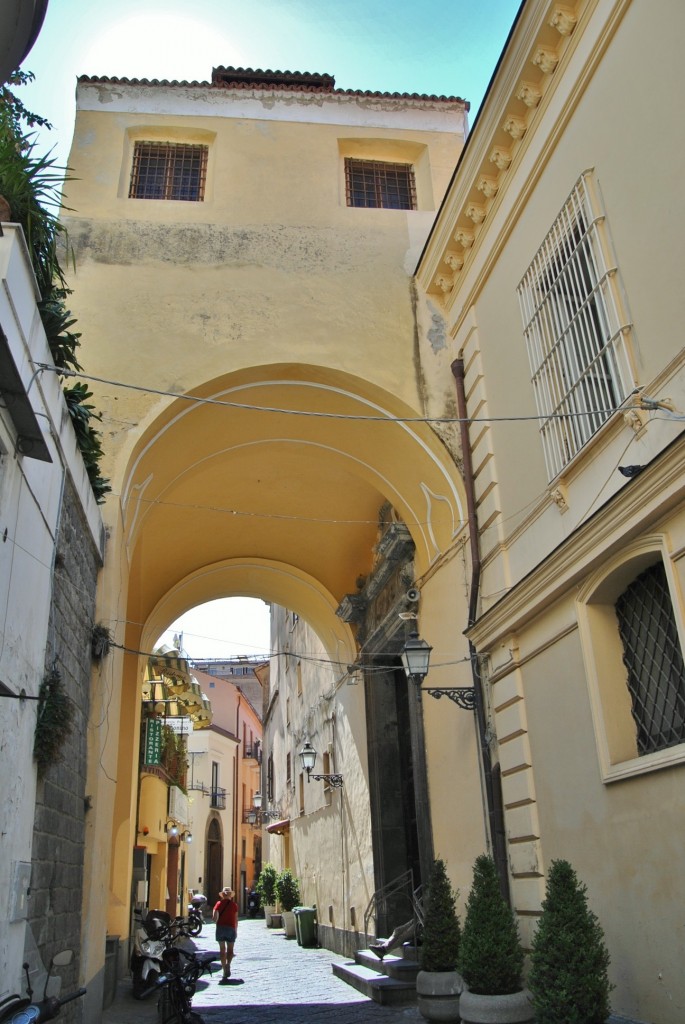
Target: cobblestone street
[[281, 982]]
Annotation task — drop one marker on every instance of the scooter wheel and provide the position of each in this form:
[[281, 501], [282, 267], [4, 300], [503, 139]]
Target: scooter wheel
[[194, 928]]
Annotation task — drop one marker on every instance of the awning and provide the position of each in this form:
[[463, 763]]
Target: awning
[[279, 828]]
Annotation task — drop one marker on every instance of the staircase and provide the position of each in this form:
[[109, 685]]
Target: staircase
[[390, 981]]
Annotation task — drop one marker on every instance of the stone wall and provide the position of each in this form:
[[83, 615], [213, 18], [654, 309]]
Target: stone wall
[[62, 803]]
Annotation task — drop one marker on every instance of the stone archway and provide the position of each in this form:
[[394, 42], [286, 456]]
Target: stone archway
[[267, 483]]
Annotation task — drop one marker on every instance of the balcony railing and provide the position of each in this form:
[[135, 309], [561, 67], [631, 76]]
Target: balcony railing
[[217, 799], [253, 753]]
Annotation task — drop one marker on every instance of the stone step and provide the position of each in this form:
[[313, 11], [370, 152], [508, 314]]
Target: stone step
[[398, 967], [379, 987]]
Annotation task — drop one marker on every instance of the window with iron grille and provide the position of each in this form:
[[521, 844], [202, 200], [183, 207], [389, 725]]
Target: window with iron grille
[[166, 170], [654, 660], [575, 331], [385, 186]]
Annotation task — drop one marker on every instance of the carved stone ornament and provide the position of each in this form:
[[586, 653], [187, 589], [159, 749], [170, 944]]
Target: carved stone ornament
[[546, 60], [454, 261], [444, 283], [464, 237], [558, 496], [500, 157], [488, 186], [476, 213], [515, 126], [563, 20], [529, 94]]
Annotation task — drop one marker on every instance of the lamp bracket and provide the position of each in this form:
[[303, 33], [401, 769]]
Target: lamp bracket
[[463, 696], [335, 781]]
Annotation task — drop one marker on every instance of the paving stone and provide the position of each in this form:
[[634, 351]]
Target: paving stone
[[283, 983]]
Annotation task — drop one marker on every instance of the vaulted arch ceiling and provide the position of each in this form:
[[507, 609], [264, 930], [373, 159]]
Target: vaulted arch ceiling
[[269, 483]]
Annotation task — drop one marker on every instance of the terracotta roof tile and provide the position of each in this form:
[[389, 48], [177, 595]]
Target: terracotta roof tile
[[273, 81]]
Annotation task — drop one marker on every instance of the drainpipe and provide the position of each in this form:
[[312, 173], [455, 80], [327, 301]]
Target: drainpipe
[[491, 776]]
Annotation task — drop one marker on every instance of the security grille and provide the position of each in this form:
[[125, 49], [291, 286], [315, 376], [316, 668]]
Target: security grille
[[384, 186], [575, 334], [164, 170], [654, 660]]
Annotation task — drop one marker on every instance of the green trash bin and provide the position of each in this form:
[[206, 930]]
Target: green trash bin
[[305, 925]]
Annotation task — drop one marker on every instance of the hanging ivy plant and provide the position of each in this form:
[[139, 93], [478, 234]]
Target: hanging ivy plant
[[54, 722]]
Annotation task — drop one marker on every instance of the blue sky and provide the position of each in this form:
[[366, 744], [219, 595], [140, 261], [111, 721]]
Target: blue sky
[[446, 47], [443, 47]]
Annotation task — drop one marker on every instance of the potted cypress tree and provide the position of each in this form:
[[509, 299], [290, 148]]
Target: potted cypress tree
[[569, 960], [266, 889], [438, 984], [490, 955], [288, 891]]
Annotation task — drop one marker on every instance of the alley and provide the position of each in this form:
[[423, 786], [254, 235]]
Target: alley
[[281, 982]]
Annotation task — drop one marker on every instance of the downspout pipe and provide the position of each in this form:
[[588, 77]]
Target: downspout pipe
[[493, 791]]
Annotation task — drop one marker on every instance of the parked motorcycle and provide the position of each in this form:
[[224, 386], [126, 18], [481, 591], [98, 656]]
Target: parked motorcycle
[[18, 1009], [252, 903], [183, 968], [146, 956], [195, 913]]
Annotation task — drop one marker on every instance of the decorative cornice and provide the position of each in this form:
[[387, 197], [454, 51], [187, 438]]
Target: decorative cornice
[[563, 20], [515, 126], [476, 213], [537, 61], [529, 94], [464, 237], [631, 511], [488, 186], [546, 59], [500, 157], [454, 260]]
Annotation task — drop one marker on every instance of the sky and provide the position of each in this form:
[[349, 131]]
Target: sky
[[442, 47], [435, 47]]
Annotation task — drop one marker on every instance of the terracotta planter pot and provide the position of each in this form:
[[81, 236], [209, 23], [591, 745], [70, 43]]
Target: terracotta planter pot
[[516, 1008], [438, 995]]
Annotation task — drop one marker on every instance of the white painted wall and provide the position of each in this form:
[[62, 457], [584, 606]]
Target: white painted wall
[[30, 504]]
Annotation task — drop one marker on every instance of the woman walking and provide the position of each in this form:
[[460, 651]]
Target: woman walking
[[226, 917]]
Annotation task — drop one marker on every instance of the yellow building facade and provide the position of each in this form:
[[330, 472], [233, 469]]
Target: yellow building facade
[[553, 273], [249, 308]]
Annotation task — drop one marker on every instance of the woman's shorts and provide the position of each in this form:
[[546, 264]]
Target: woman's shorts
[[224, 933]]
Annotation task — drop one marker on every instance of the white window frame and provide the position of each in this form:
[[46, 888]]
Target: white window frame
[[575, 328]]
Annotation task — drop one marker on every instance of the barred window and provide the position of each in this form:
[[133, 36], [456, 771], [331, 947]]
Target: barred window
[[166, 170], [386, 186], [575, 332], [654, 660]]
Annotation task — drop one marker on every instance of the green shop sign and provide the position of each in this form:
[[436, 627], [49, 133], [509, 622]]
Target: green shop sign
[[153, 741]]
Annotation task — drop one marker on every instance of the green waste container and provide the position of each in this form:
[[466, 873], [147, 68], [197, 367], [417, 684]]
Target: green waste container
[[305, 925]]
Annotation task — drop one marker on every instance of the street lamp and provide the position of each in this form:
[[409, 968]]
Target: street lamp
[[308, 758], [416, 659], [416, 656]]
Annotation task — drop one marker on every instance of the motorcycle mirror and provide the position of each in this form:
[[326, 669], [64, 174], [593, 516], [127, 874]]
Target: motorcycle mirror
[[63, 959]]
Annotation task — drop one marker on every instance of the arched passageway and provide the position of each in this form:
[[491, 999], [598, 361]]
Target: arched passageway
[[269, 483]]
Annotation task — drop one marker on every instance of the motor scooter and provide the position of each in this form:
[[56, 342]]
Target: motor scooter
[[18, 1009], [195, 913], [148, 948], [252, 903]]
